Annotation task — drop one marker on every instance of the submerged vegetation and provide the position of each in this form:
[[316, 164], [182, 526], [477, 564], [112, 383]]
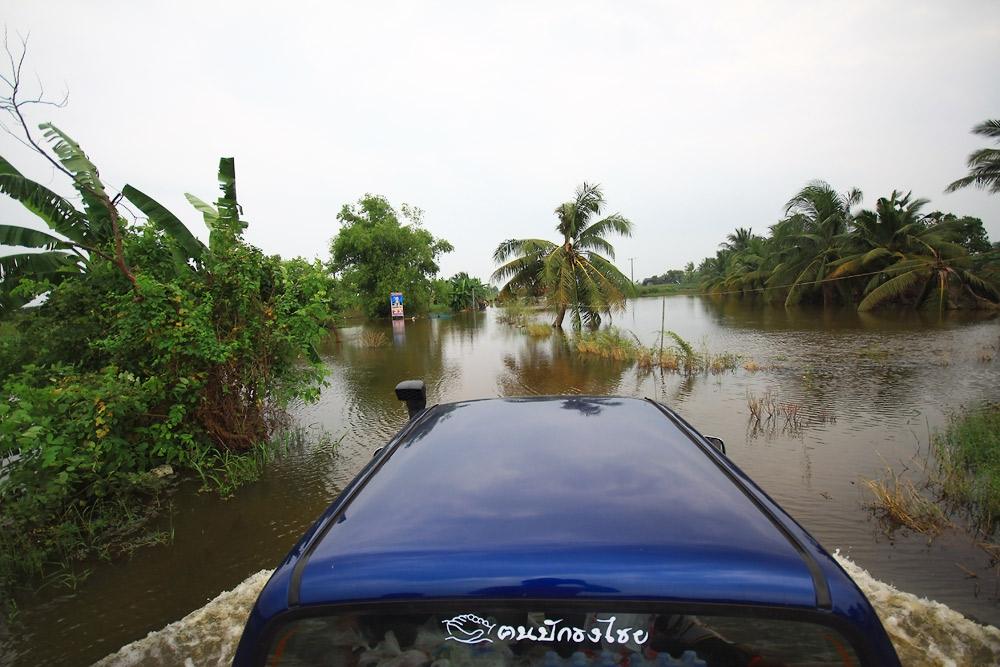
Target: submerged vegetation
[[898, 502], [966, 477], [372, 338], [677, 355], [538, 330], [462, 292], [968, 456]]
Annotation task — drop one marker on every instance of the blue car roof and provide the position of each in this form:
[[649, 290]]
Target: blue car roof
[[555, 498]]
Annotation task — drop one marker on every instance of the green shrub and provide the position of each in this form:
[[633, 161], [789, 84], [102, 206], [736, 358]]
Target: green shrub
[[78, 447], [190, 362]]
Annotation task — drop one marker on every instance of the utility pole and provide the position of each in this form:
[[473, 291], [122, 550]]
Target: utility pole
[[631, 262]]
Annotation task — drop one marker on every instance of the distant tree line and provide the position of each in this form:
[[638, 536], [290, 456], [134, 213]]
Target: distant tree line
[[826, 249], [673, 276]]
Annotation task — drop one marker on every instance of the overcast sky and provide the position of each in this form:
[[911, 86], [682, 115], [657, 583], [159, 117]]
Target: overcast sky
[[695, 117]]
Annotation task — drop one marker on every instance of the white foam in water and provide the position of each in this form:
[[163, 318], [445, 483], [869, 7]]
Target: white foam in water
[[204, 637], [924, 632]]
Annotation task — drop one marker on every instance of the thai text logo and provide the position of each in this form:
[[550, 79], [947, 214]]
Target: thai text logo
[[472, 629]]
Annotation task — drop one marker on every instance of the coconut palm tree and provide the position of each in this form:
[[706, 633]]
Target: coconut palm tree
[[984, 164], [738, 240], [909, 256], [811, 238], [576, 274]]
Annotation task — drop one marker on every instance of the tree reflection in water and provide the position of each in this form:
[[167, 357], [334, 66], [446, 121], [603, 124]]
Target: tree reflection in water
[[551, 366]]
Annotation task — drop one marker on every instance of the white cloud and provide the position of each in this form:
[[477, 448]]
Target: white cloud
[[696, 118]]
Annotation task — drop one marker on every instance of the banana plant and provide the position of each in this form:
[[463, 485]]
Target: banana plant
[[225, 226], [223, 220], [78, 236]]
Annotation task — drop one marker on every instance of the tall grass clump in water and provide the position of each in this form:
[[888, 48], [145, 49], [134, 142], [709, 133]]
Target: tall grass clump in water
[[898, 501], [513, 312], [680, 356], [968, 454], [538, 329], [373, 338], [610, 343]]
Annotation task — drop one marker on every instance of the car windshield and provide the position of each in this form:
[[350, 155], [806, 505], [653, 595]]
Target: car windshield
[[555, 638]]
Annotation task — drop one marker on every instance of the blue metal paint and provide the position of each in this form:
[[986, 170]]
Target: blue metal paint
[[557, 498]]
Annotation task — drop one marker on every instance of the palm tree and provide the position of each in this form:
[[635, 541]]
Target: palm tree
[[984, 164], [749, 270], [908, 256], [738, 240], [572, 275], [811, 238]]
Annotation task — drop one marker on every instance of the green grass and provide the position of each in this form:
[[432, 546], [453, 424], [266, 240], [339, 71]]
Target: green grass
[[224, 472], [50, 555], [675, 354], [665, 290], [40, 556], [438, 309], [538, 329], [610, 343], [968, 454], [514, 312]]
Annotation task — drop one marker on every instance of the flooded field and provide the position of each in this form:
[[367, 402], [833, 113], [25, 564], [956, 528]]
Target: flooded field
[[870, 389]]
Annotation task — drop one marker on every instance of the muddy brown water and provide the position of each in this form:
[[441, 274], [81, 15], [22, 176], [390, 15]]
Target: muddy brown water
[[871, 390]]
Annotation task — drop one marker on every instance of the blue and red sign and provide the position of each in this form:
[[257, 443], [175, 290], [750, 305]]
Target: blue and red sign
[[396, 304]]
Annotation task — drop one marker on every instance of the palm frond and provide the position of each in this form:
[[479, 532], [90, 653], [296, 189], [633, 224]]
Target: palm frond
[[979, 285], [510, 247], [603, 293], [983, 164], [557, 277], [876, 254], [596, 243], [984, 171], [846, 266], [611, 274], [589, 199], [528, 263], [616, 223], [988, 128], [684, 346], [892, 288], [798, 287]]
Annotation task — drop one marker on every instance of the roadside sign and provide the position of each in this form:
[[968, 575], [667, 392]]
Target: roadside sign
[[396, 304]]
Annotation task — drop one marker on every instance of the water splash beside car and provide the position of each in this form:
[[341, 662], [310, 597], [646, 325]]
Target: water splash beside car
[[924, 632]]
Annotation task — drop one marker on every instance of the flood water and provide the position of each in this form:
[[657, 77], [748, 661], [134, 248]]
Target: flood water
[[871, 390]]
